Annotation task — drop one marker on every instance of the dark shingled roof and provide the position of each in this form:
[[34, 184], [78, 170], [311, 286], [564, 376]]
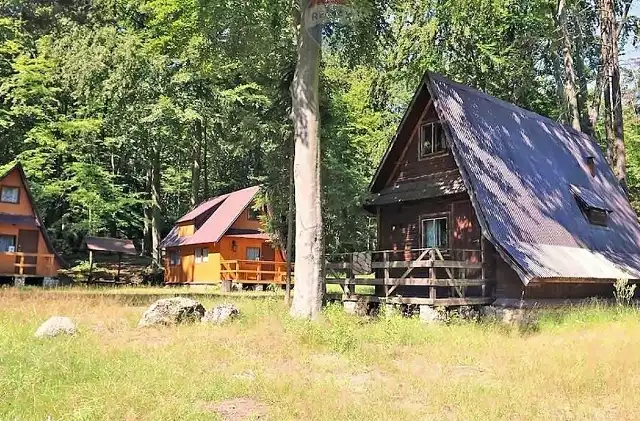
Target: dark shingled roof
[[112, 245], [427, 187], [229, 207], [519, 168]]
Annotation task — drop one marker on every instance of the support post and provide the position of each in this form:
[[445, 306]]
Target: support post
[[349, 285], [483, 261], [90, 266], [387, 272], [119, 267]]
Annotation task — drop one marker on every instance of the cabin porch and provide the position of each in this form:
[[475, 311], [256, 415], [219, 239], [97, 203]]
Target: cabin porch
[[19, 268], [429, 276]]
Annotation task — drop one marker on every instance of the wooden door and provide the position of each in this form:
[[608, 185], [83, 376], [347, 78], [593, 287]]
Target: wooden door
[[28, 243], [268, 254]]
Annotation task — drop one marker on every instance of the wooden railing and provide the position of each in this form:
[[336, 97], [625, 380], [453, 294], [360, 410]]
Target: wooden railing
[[451, 273], [18, 263], [253, 271]]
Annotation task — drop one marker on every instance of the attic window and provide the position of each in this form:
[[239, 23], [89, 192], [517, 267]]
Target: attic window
[[431, 139], [593, 206], [9, 194]]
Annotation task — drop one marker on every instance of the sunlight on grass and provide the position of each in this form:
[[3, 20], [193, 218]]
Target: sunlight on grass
[[579, 364]]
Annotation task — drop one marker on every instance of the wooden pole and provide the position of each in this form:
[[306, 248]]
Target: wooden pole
[[90, 265], [119, 266], [287, 297]]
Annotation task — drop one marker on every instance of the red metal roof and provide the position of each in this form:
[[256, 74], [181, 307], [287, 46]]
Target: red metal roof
[[113, 245], [229, 208]]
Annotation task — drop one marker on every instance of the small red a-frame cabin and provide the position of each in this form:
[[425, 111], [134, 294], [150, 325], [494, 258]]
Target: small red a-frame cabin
[[26, 253], [220, 240]]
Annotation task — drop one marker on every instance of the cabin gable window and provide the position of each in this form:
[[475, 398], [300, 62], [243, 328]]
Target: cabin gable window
[[435, 232], [9, 194], [202, 255], [431, 139], [253, 253], [7, 243], [252, 214], [174, 258]]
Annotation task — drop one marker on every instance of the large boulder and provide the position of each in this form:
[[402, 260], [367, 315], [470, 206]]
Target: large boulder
[[220, 314], [171, 311], [55, 326]]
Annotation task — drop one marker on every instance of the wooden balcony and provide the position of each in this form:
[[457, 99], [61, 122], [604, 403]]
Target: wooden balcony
[[253, 271], [422, 276], [27, 264]]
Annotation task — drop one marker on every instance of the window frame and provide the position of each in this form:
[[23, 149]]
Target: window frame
[[246, 253], [8, 201], [201, 255], [434, 152], [252, 214], [14, 240], [435, 217], [175, 258]]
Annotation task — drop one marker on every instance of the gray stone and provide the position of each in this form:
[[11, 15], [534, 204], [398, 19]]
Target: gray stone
[[356, 307], [430, 314], [171, 311], [50, 282], [220, 314], [55, 326], [19, 281], [510, 316]]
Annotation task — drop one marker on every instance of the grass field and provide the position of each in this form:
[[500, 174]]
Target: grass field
[[578, 364]]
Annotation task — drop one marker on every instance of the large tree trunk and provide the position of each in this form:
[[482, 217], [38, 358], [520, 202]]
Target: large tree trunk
[[570, 89], [156, 210], [620, 154], [147, 247], [309, 262], [583, 92], [205, 164], [195, 166]]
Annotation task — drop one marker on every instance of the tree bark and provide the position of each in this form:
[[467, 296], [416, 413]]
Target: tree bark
[[570, 90], [620, 154], [309, 262], [205, 165], [156, 210], [147, 248], [195, 166], [583, 92]]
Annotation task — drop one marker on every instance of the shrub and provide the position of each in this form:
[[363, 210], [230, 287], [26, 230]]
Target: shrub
[[623, 292]]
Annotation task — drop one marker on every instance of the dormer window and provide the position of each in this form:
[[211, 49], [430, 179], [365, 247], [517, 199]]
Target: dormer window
[[591, 164], [592, 206], [431, 139]]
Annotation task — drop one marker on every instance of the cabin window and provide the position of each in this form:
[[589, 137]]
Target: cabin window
[[435, 233], [253, 215], [593, 206], [9, 194], [253, 253], [431, 139], [597, 217], [174, 258], [7, 243], [202, 255]]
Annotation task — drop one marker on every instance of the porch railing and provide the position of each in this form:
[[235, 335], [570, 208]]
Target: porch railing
[[18, 263], [253, 271], [454, 274]]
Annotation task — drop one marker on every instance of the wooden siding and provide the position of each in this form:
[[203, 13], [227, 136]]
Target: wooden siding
[[411, 167], [24, 206], [243, 222]]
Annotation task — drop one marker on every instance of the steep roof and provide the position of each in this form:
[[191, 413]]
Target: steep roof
[[35, 220], [525, 174], [226, 210]]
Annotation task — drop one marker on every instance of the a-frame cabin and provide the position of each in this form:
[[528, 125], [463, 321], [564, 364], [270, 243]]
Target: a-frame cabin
[[532, 199], [26, 253]]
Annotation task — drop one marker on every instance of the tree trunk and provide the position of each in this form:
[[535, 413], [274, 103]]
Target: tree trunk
[[620, 155], [570, 90], [195, 166], [309, 262], [156, 210], [205, 165], [583, 92], [147, 248]]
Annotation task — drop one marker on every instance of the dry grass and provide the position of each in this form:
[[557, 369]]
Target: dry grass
[[581, 364]]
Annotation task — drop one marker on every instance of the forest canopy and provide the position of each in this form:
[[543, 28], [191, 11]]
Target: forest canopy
[[126, 113]]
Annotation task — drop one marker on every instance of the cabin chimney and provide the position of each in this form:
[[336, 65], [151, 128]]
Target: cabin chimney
[[591, 164]]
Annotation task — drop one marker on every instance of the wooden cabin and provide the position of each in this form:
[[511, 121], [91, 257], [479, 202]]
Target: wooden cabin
[[482, 180], [26, 253], [220, 240]]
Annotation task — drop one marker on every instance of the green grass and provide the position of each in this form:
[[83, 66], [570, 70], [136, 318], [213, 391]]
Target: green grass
[[579, 364]]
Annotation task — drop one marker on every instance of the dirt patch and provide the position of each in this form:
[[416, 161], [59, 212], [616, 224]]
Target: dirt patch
[[240, 409]]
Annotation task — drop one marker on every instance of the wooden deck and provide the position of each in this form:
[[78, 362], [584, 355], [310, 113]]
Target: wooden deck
[[34, 265], [253, 272], [422, 277]]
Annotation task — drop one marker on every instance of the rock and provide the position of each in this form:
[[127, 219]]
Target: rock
[[55, 326], [220, 314], [357, 307], [170, 311], [520, 317], [431, 315]]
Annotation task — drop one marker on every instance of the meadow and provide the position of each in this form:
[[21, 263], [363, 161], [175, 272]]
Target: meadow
[[578, 363]]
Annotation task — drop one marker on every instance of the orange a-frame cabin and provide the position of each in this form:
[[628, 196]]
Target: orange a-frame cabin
[[25, 249], [222, 240]]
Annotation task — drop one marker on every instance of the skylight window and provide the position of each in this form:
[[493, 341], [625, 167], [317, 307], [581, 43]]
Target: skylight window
[[593, 206]]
